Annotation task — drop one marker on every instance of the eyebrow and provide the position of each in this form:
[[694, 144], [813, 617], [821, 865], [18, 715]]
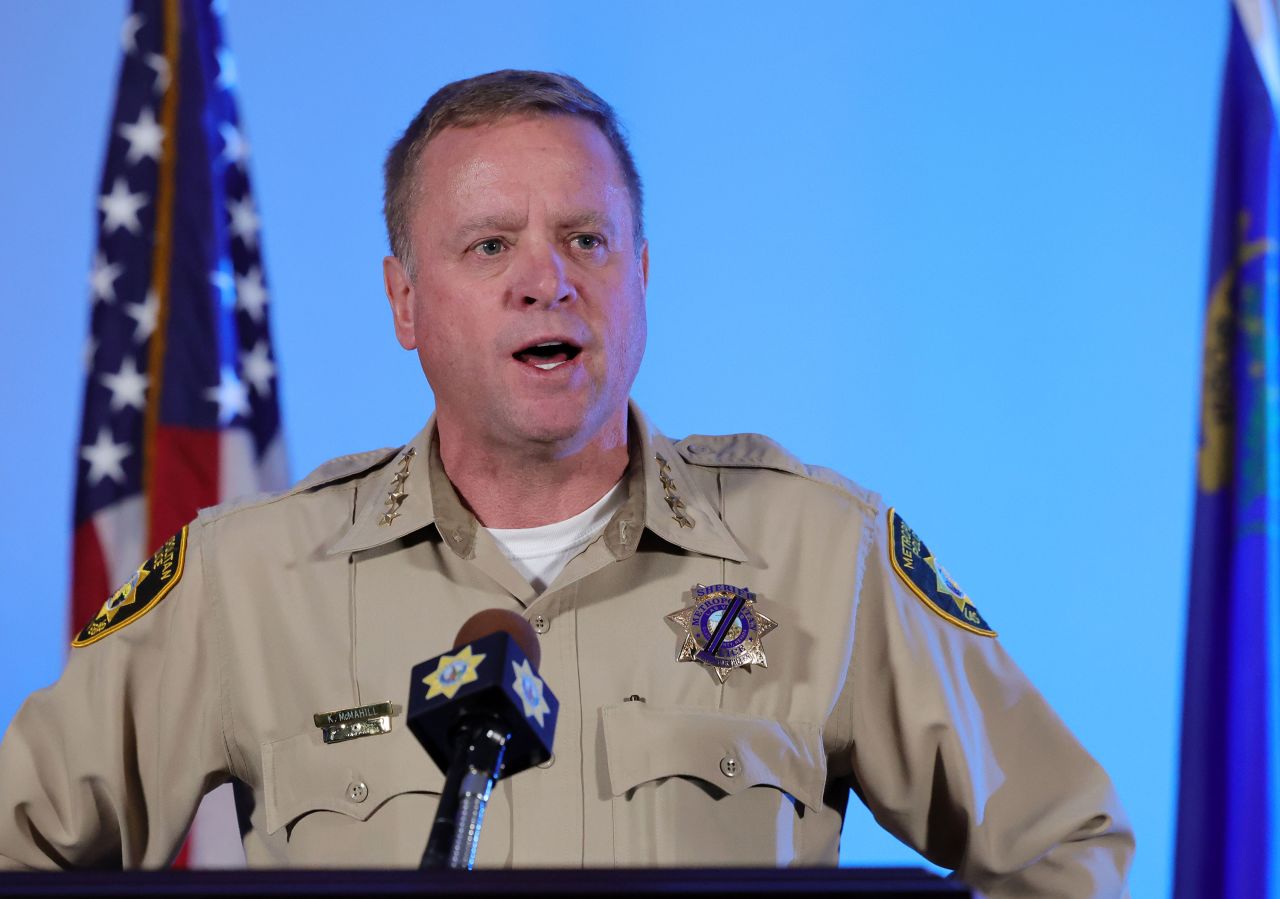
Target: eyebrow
[[490, 223], [582, 218], [586, 218]]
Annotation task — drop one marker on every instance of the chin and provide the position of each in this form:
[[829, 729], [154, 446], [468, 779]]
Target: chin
[[538, 429], [554, 424]]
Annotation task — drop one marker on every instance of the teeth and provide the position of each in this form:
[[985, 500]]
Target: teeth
[[548, 343], [547, 366]]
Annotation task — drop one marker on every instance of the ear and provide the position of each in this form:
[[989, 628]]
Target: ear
[[399, 287], [644, 265]]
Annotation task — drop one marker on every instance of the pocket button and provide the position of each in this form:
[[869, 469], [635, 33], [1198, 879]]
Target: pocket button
[[729, 766], [357, 791]]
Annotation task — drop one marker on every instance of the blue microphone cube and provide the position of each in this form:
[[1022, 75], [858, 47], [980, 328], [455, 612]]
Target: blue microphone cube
[[489, 677]]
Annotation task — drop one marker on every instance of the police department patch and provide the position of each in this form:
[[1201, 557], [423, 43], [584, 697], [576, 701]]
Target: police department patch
[[150, 584], [927, 578]]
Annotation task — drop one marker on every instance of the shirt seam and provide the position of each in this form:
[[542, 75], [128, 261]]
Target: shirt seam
[[864, 556], [353, 656], [135, 846], [225, 716]]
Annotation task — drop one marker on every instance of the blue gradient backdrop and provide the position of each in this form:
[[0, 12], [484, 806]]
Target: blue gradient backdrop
[[956, 251]]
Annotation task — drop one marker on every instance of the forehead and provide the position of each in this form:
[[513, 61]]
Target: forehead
[[517, 161]]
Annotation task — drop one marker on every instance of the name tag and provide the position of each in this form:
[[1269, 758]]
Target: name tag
[[348, 724]]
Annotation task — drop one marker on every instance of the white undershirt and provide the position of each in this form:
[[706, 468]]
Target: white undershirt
[[541, 553]]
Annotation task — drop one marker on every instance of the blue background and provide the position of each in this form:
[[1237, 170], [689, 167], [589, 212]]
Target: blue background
[[956, 251]]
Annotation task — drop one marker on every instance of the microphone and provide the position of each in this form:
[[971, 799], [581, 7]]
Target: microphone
[[482, 713]]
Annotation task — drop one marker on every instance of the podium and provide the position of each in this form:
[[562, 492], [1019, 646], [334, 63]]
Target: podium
[[890, 883]]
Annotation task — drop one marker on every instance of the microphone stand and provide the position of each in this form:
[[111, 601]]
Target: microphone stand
[[477, 762]]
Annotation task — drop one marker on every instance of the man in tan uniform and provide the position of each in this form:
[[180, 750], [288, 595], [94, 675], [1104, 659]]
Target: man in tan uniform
[[851, 658]]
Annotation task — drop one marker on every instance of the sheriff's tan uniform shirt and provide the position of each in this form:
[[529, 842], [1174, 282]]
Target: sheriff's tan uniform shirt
[[325, 597]]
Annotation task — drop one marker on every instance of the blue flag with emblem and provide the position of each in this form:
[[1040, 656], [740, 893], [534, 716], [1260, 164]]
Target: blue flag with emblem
[[1227, 838]]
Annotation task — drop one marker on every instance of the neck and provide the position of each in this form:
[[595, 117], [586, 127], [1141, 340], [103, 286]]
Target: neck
[[518, 486]]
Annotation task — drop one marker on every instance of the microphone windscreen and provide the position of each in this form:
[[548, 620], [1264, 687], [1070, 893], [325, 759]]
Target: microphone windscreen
[[494, 621]]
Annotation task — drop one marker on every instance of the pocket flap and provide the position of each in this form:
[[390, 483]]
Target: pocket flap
[[302, 774], [644, 743]]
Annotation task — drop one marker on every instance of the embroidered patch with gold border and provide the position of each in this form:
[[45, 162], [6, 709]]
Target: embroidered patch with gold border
[[152, 582], [928, 580]]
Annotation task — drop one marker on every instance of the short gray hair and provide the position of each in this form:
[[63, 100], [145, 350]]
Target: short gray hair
[[483, 100]]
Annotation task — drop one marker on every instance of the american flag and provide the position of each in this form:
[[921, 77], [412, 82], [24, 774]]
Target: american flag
[[181, 408]]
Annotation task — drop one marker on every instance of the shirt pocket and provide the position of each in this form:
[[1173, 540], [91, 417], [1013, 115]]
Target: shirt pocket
[[363, 802], [700, 787]]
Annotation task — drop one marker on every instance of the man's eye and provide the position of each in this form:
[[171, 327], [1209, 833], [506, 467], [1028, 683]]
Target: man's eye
[[587, 242], [490, 247]]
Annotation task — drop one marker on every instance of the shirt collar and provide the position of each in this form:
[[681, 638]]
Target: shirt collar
[[675, 507], [412, 492], [400, 498]]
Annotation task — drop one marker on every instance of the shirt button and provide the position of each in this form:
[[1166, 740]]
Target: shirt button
[[551, 760], [357, 791], [540, 624], [729, 766]]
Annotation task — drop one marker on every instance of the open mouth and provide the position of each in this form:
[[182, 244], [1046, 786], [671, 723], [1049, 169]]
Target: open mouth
[[547, 355]]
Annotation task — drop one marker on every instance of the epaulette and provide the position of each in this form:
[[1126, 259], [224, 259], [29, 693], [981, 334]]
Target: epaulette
[[344, 467], [331, 472], [759, 451]]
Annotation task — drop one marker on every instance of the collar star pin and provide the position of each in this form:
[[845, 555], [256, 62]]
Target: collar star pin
[[671, 494], [722, 629], [397, 495]]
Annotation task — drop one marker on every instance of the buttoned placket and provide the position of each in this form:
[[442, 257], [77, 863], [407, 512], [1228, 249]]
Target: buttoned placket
[[545, 811], [547, 803]]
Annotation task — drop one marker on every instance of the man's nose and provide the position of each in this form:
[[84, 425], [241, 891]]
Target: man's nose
[[541, 277]]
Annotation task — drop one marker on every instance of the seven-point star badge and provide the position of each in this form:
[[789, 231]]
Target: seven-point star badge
[[723, 629]]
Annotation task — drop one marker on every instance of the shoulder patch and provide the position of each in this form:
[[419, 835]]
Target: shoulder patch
[[143, 592], [928, 580]]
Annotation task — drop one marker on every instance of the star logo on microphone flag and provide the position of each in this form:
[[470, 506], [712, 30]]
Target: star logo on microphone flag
[[453, 672], [528, 686]]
